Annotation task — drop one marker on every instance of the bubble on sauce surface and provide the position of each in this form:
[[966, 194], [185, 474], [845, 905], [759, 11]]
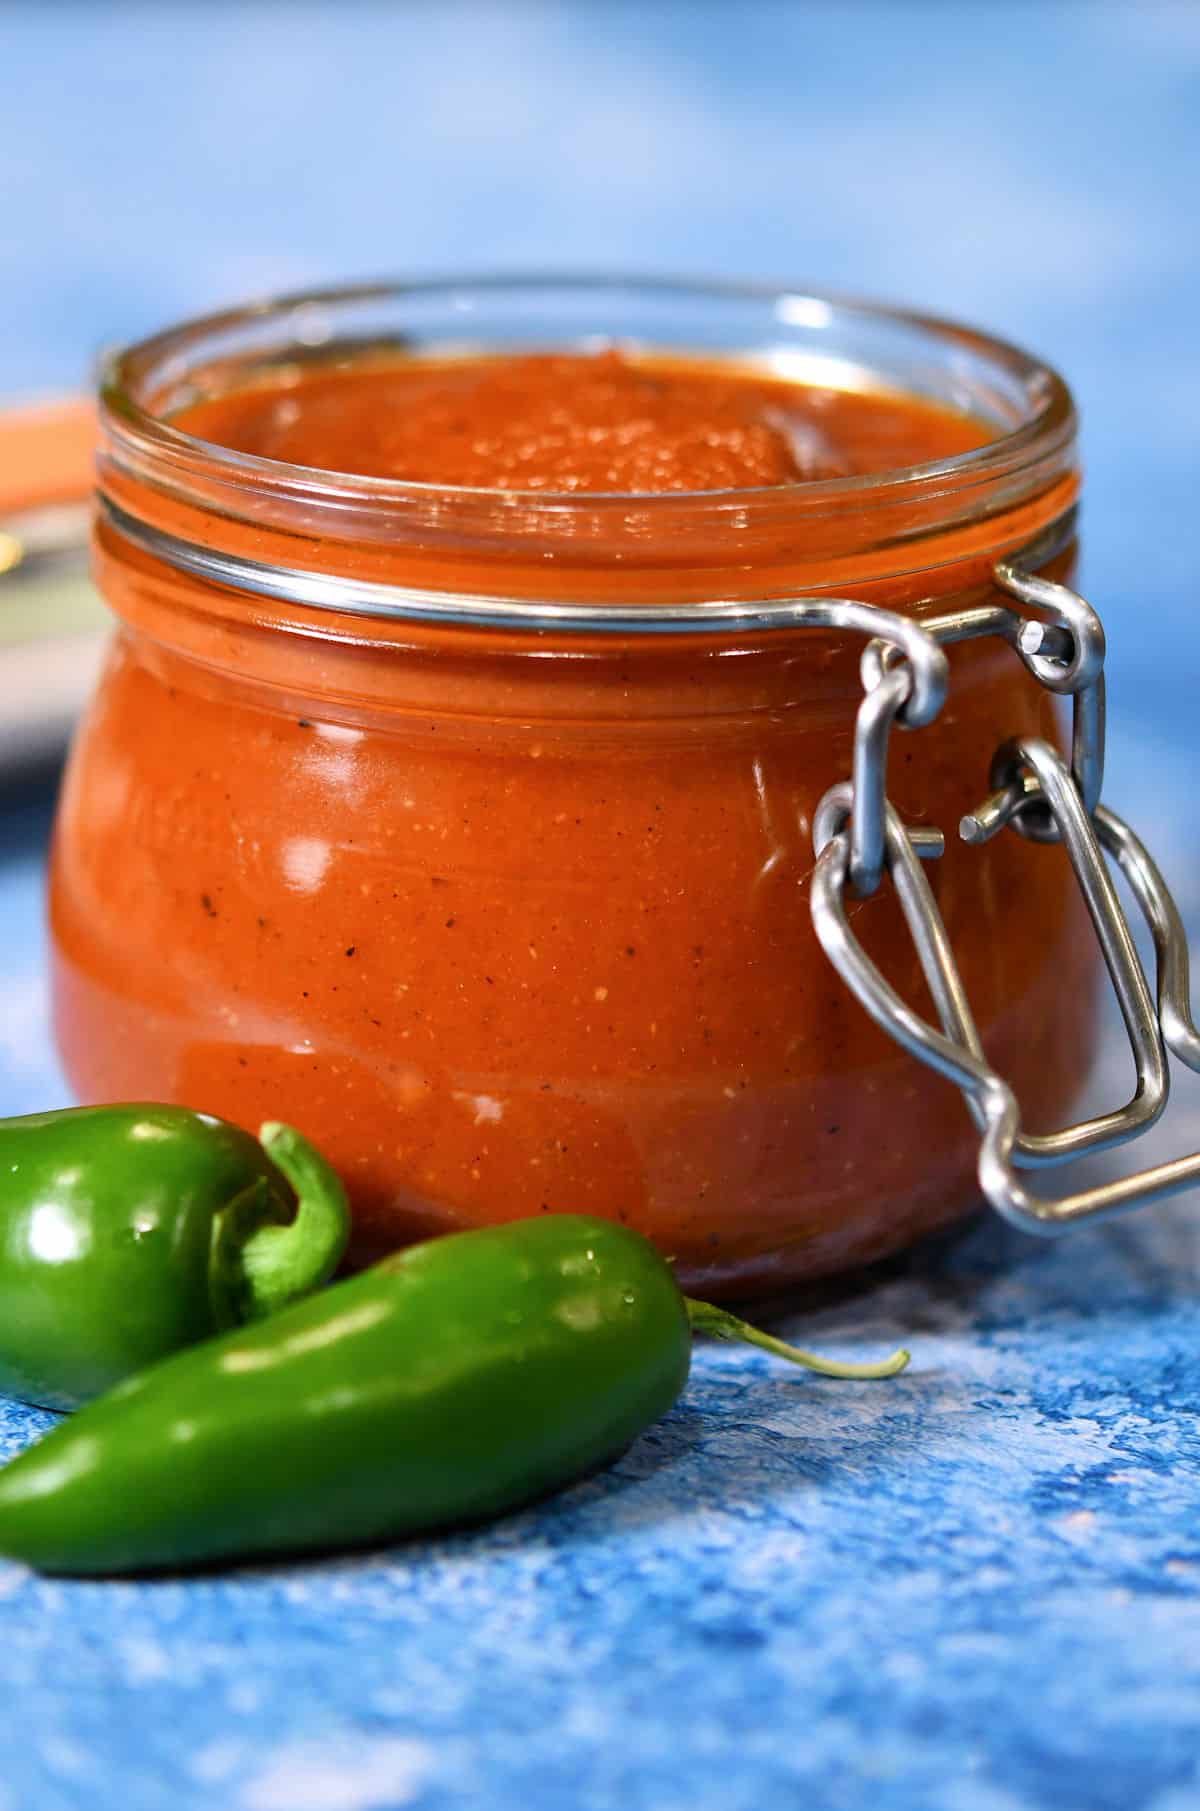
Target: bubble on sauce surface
[[813, 453]]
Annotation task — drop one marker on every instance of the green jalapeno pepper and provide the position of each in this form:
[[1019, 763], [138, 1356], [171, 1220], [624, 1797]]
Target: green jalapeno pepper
[[127, 1232], [460, 1379]]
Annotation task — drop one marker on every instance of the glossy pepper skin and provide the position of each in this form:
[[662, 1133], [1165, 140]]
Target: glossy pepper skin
[[457, 1380], [128, 1232]]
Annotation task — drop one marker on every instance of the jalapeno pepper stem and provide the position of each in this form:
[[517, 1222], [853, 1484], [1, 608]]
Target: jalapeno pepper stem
[[718, 1323], [279, 1263]]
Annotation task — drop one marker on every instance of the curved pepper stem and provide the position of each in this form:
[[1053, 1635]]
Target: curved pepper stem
[[706, 1318], [280, 1263]]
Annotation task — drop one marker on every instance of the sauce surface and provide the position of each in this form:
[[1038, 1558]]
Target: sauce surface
[[578, 422]]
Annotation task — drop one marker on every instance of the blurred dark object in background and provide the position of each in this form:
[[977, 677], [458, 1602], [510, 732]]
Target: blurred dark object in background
[[52, 624]]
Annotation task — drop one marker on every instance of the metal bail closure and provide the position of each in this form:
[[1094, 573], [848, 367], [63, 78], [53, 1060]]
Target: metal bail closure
[[955, 1050]]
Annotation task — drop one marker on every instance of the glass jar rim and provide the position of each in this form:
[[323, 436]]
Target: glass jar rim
[[141, 430]]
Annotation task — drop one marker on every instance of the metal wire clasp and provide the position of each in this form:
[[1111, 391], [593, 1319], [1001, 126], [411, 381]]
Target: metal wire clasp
[[859, 836]]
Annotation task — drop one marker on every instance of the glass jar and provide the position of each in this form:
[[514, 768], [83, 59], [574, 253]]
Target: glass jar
[[391, 818]]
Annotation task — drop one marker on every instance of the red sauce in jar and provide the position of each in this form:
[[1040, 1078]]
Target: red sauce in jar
[[566, 423], [511, 924]]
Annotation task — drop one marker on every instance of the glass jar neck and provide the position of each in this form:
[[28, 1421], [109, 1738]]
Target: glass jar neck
[[835, 536]]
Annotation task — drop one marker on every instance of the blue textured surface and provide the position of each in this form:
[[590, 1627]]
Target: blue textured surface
[[971, 1590]]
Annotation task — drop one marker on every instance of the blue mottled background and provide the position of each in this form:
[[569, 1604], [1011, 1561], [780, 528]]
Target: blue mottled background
[[971, 1590]]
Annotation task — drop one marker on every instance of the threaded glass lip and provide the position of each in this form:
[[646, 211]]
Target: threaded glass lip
[[149, 467], [136, 381]]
